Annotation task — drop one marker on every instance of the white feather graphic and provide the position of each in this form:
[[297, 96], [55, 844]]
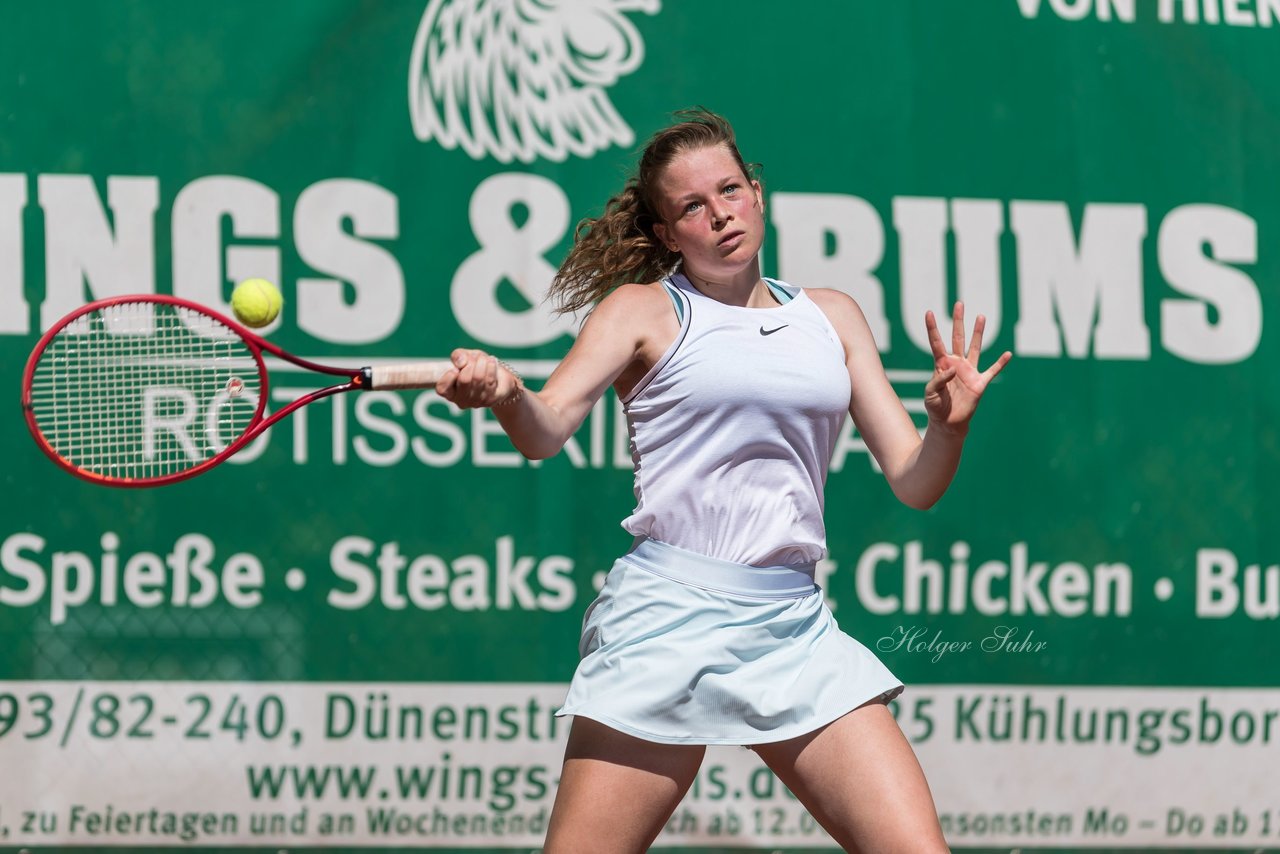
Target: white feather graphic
[[523, 79]]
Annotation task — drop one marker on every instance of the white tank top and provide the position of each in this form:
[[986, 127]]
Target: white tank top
[[733, 428]]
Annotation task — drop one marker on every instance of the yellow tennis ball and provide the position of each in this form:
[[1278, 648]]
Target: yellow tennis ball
[[256, 302]]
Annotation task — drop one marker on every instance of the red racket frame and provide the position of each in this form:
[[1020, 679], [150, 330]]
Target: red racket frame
[[357, 379]]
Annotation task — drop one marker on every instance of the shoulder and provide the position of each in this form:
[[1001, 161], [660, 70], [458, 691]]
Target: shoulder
[[832, 301], [844, 314], [635, 296], [633, 311], [635, 320], [838, 306], [633, 303]]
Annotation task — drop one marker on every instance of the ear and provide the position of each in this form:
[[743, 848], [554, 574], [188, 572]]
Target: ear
[[755, 185], [660, 229]]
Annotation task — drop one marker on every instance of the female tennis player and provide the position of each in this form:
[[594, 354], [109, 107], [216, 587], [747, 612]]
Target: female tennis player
[[711, 629]]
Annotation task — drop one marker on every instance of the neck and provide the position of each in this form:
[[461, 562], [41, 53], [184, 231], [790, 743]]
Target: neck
[[745, 288]]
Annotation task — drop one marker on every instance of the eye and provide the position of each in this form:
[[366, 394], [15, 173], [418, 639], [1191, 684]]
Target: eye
[[730, 189], [692, 207]]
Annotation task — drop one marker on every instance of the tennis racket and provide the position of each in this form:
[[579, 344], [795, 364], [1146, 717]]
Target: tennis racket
[[149, 389]]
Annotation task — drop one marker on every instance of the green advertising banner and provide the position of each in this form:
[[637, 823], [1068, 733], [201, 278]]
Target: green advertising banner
[[355, 634]]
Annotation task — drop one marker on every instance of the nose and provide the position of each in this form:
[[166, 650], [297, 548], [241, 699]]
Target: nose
[[720, 214]]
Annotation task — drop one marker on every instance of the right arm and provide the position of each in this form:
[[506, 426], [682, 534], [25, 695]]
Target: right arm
[[617, 333]]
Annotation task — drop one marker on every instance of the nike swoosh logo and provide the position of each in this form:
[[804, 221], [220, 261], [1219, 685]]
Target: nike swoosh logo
[[764, 331]]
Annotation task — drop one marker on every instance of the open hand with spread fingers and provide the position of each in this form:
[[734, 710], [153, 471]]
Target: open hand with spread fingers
[[952, 393]]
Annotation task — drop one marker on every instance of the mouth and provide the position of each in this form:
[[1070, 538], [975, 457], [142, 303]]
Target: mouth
[[731, 237]]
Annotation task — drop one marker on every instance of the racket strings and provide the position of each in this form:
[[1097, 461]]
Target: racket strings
[[143, 390]]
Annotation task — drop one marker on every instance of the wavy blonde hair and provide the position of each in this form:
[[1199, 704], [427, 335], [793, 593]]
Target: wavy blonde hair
[[620, 245]]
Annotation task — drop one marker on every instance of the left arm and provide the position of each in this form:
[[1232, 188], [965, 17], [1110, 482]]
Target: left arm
[[918, 470]]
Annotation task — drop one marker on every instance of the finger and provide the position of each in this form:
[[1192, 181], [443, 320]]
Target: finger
[[935, 337], [459, 357], [447, 385], [491, 375], [975, 343], [990, 373], [957, 329], [940, 379], [480, 387], [469, 375]]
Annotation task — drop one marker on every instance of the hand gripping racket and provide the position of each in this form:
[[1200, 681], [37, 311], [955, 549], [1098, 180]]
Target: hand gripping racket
[[150, 389]]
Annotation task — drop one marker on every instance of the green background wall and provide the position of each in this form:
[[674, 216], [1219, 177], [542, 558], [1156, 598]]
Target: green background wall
[[1098, 178]]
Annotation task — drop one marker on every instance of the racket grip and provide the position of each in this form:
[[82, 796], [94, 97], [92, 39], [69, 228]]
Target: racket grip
[[407, 375]]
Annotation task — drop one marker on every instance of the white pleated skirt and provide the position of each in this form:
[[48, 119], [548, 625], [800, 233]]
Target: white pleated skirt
[[680, 648]]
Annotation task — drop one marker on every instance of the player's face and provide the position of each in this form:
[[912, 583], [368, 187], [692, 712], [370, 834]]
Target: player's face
[[712, 214]]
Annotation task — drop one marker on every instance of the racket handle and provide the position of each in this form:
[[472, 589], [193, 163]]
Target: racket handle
[[407, 375]]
